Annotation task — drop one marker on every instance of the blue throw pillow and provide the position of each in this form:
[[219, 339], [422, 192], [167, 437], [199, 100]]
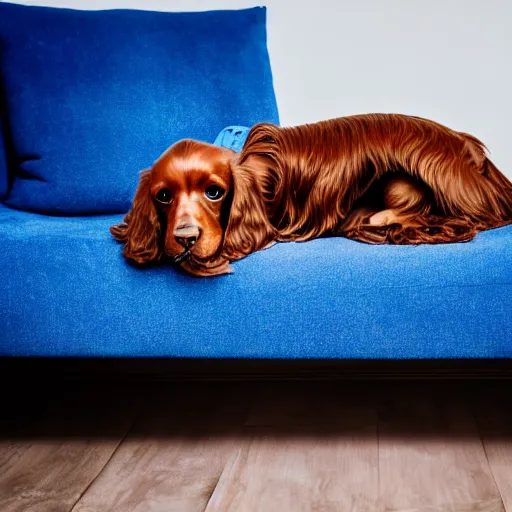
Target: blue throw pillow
[[94, 97]]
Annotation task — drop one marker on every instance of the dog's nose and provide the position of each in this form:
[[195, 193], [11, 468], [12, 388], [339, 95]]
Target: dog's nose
[[187, 236]]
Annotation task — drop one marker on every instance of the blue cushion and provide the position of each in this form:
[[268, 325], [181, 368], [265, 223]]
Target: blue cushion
[[66, 290], [94, 97]]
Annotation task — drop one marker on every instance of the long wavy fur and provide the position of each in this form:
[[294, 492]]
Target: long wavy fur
[[320, 179]]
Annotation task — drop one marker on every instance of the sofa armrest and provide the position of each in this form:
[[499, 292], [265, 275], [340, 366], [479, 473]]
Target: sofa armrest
[[4, 181]]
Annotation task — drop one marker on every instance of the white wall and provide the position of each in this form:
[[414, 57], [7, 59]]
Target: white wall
[[448, 60]]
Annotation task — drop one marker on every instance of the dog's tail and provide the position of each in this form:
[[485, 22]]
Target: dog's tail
[[500, 193], [476, 188]]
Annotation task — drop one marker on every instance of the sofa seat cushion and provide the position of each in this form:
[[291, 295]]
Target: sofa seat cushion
[[67, 291]]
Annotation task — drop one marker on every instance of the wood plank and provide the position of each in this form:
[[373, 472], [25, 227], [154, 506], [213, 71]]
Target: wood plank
[[492, 406], [174, 456], [495, 505], [48, 458], [303, 446], [313, 448], [430, 454]]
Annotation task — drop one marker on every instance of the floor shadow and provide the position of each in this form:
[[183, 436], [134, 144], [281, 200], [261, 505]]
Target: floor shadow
[[454, 411]]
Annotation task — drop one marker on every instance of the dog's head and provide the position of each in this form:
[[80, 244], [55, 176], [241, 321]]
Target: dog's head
[[197, 207]]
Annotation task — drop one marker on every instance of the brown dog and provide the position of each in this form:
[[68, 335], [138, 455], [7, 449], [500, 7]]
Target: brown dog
[[377, 178]]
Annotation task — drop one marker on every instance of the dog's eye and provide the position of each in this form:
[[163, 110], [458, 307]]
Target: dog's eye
[[214, 192], [164, 196]]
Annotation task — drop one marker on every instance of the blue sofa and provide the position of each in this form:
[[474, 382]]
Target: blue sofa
[[67, 291]]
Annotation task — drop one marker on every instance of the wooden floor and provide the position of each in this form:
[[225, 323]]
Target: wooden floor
[[234, 447]]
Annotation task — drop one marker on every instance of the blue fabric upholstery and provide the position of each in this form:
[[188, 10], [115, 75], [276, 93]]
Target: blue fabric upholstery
[[66, 290], [94, 97]]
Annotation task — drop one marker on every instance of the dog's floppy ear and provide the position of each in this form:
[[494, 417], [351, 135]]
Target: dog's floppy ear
[[140, 230], [248, 228]]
